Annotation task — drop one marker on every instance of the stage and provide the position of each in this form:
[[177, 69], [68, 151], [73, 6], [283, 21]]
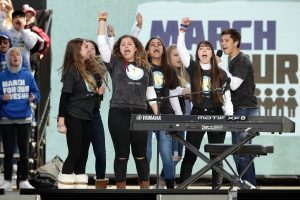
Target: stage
[[261, 193]]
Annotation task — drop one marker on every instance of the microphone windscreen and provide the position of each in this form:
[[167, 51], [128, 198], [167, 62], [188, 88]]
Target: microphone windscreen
[[227, 80], [219, 53]]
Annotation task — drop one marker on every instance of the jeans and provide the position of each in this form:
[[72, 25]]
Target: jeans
[[242, 161], [98, 142], [177, 147], [165, 151]]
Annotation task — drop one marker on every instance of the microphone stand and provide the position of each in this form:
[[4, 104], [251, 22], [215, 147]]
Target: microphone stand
[[183, 95]]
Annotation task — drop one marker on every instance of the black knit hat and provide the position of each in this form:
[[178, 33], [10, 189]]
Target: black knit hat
[[18, 13]]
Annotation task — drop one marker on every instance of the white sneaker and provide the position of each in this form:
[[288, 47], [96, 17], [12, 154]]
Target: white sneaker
[[25, 185], [159, 187], [7, 186]]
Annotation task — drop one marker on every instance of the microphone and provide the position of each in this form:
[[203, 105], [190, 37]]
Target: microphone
[[224, 86], [219, 53]]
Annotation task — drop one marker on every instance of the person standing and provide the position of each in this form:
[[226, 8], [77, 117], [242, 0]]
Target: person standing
[[166, 84], [185, 101], [80, 74], [18, 89], [242, 87], [98, 136], [132, 84], [206, 77]]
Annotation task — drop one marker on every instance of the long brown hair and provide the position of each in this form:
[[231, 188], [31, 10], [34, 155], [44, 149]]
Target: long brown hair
[[165, 67], [140, 56], [73, 58], [216, 77]]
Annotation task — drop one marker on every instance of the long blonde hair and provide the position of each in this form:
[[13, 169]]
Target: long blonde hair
[[8, 18], [182, 74]]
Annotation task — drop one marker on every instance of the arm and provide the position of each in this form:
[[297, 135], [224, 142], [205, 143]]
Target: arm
[[181, 48], [151, 94], [235, 82], [174, 101], [111, 36], [103, 47], [227, 106], [64, 99], [136, 29], [34, 91]]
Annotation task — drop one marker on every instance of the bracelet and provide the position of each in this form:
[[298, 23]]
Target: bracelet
[[102, 19], [183, 27]]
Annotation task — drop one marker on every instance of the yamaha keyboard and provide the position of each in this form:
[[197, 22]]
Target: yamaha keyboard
[[211, 123]]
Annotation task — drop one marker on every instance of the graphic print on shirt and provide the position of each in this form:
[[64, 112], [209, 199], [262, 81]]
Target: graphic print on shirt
[[134, 73], [206, 85], [16, 88], [158, 78], [90, 88]]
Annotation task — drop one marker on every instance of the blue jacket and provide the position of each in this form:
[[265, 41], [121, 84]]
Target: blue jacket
[[19, 85]]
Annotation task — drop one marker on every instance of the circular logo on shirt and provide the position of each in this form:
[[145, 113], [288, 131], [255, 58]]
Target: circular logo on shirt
[[134, 73], [158, 78]]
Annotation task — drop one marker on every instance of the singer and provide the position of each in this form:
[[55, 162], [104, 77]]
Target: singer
[[166, 84], [242, 88], [206, 80], [132, 84], [79, 73]]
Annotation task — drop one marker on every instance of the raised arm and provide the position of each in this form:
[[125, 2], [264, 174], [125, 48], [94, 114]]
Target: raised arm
[[136, 29], [181, 48], [103, 47], [111, 36]]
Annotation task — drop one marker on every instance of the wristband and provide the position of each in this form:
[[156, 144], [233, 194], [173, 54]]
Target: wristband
[[183, 27], [102, 19]]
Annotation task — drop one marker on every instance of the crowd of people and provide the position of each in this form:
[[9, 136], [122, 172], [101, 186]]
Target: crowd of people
[[142, 79], [20, 42]]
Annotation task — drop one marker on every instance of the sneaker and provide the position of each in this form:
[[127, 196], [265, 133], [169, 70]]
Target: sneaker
[[7, 186], [159, 187], [25, 185]]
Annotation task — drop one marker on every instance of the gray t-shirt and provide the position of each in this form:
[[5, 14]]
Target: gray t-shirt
[[129, 83]]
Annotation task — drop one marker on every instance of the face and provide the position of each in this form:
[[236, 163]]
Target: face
[[30, 18], [128, 49], [227, 44], [155, 49], [85, 50], [204, 54], [15, 58], [18, 22], [4, 45], [3, 4], [92, 49], [175, 59]]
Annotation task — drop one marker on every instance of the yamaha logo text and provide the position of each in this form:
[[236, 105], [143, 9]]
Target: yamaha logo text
[[148, 117]]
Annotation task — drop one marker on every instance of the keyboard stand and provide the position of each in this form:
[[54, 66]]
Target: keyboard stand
[[211, 164]]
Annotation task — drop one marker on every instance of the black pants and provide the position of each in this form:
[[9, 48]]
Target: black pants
[[21, 134], [123, 138], [195, 139], [78, 141]]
